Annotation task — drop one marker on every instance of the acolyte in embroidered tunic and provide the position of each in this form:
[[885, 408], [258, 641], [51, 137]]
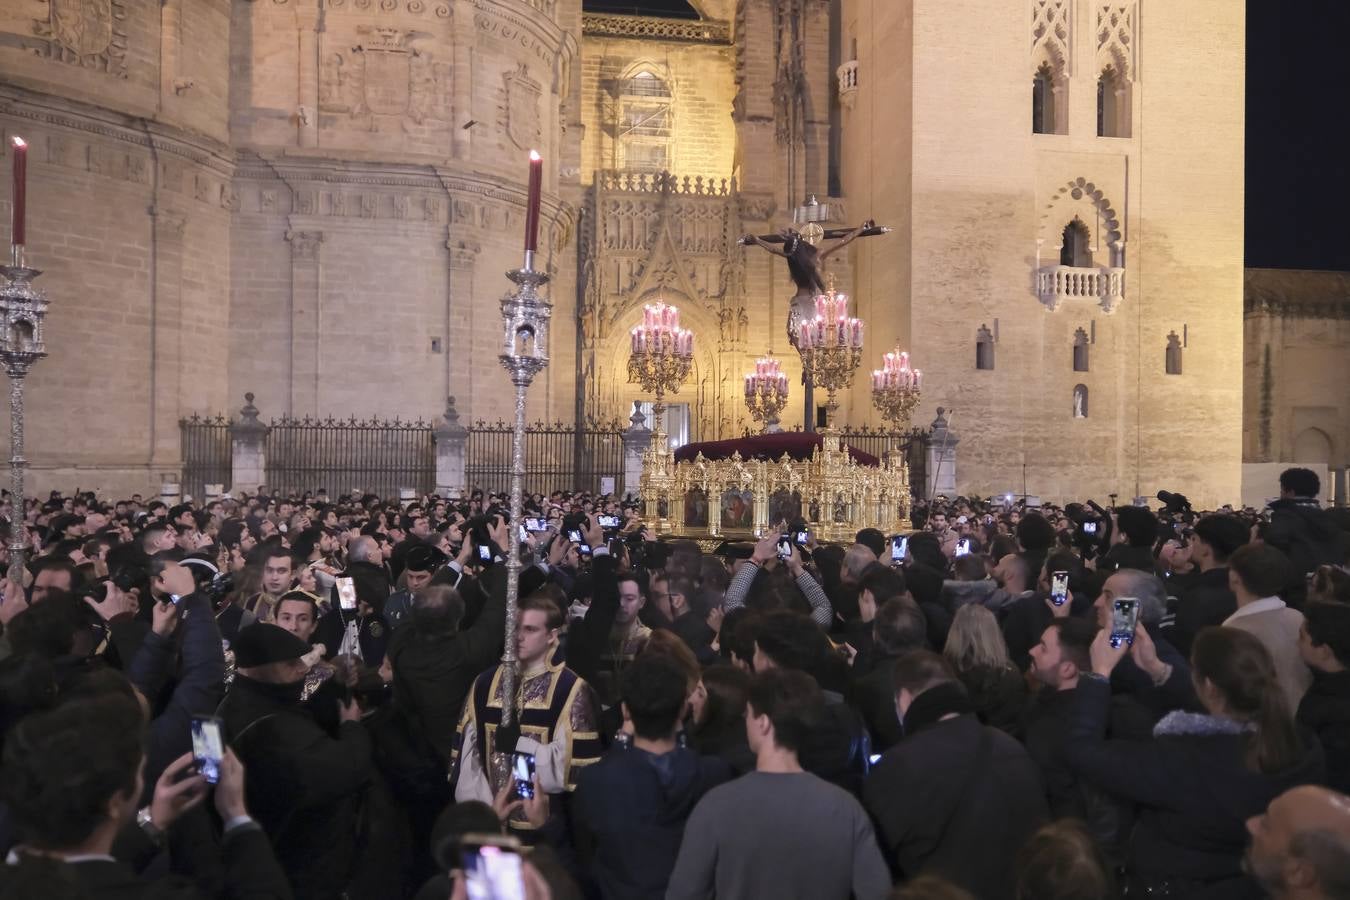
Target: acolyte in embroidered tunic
[[556, 708]]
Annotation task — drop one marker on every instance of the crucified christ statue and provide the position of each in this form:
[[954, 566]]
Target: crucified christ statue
[[805, 262]]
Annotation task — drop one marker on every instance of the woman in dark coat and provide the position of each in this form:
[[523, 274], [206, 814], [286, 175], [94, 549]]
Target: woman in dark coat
[[1204, 774], [976, 650]]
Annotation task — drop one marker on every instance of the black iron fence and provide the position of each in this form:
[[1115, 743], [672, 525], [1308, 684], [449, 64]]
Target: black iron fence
[[557, 456], [384, 455], [376, 455], [206, 453]]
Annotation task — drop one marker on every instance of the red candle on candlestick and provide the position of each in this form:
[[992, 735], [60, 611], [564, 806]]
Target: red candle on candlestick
[[16, 235], [532, 204]]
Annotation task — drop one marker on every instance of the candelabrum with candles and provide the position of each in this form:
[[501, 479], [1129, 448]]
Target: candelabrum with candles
[[525, 315], [23, 309], [660, 358], [895, 389], [766, 392], [662, 354], [830, 345]]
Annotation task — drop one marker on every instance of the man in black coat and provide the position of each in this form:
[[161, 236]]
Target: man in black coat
[[1300, 528], [954, 798], [898, 628], [1324, 644], [1207, 599], [304, 787], [435, 662]]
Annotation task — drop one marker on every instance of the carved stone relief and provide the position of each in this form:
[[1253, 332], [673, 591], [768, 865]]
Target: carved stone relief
[[1116, 45], [1051, 31], [380, 74], [87, 33], [520, 109]]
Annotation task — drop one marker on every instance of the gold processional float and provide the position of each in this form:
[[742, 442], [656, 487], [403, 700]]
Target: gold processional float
[[715, 491]]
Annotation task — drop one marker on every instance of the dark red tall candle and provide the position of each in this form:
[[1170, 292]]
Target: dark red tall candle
[[19, 195], [532, 204]]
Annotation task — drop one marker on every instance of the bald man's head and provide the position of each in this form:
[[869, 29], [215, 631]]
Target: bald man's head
[[1300, 848]]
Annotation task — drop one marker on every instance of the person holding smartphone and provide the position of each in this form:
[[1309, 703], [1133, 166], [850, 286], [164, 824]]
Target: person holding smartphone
[[557, 724]]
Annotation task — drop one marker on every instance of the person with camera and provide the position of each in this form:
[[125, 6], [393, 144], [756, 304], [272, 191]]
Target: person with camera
[[180, 665], [72, 782], [307, 787], [1203, 774], [361, 631], [766, 554]]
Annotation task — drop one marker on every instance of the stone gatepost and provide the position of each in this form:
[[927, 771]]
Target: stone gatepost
[[942, 458], [636, 439], [248, 451], [451, 439]]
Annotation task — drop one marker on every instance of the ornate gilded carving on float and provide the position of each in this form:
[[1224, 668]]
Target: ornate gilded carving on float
[[86, 33], [737, 497]]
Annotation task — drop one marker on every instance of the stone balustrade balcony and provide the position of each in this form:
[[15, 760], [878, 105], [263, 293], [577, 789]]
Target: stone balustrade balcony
[[848, 82], [1056, 284]]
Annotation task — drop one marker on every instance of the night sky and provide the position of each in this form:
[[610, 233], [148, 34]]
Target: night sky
[[1298, 160]]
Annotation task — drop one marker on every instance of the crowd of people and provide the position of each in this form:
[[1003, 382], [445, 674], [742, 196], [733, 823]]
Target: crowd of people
[[280, 696]]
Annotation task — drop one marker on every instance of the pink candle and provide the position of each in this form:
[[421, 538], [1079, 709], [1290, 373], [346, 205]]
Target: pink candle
[[20, 195], [532, 201]]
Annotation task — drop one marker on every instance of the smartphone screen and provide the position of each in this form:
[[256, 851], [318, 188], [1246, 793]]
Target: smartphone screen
[[484, 553], [574, 535], [346, 589], [963, 546], [899, 547], [524, 535], [608, 521], [208, 747], [802, 537], [784, 548], [584, 549], [1089, 528], [1124, 617], [1059, 588], [522, 772], [535, 524], [492, 868]]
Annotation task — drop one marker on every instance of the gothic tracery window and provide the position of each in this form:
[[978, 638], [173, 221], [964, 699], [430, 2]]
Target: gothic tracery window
[[644, 129], [1043, 109]]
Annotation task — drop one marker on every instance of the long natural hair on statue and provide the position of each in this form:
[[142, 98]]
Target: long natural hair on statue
[[803, 261]]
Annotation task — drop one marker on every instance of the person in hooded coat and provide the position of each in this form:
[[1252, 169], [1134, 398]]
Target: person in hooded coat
[[631, 806]]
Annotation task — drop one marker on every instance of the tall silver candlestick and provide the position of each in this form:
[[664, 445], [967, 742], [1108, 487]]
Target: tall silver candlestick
[[524, 354], [23, 308]]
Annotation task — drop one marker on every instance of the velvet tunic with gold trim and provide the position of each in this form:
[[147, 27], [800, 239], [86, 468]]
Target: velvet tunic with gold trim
[[558, 725]]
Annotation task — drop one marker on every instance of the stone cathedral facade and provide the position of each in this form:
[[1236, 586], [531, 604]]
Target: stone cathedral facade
[[316, 200]]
